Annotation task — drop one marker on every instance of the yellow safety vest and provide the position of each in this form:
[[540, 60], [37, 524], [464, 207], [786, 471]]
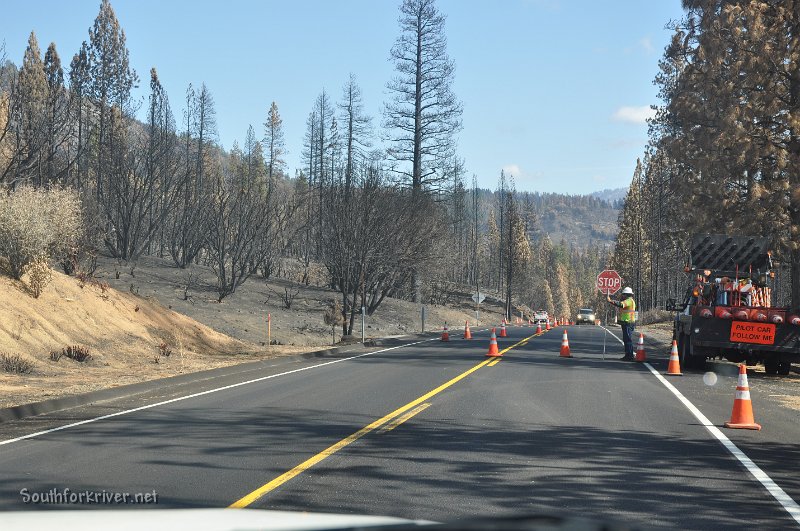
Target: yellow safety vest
[[628, 312]]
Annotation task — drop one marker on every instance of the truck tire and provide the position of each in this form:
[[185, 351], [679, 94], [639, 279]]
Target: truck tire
[[771, 366], [784, 367], [688, 361]]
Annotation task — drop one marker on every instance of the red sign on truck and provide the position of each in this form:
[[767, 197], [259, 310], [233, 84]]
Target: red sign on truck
[[609, 282], [759, 333]]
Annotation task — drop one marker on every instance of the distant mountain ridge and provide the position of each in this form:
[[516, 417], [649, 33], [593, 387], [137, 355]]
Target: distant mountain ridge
[[580, 220], [611, 194]]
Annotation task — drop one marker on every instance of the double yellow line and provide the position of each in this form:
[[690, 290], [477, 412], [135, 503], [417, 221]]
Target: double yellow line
[[396, 418]]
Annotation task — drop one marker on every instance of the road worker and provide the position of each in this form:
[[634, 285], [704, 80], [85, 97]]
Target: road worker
[[626, 320]]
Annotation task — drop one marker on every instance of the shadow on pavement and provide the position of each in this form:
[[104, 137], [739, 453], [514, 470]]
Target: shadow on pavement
[[437, 470]]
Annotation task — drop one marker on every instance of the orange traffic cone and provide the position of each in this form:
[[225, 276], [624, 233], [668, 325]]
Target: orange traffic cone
[[539, 328], [493, 352], [467, 333], [565, 346], [640, 355], [674, 367], [547, 325], [445, 334], [503, 329], [742, 415]]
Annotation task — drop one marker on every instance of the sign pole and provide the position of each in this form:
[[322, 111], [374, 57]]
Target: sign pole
[[478, 299], [605, 331], [269, 329], [608, 282]]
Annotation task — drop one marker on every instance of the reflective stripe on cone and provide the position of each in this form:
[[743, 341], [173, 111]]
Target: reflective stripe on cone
[[565, 346], [640, 354], [674, 367], [493, 350]]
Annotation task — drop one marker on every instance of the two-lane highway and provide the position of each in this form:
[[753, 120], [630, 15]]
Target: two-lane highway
[[434, 431]]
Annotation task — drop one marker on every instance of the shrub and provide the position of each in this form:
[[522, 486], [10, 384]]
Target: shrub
[[39, 275], [103, 286], [36, 223], [76, 353], [655, 316], [333, 317], [15, 363], [55, 355]]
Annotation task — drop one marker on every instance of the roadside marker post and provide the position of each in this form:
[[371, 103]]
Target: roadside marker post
[[269, 330]]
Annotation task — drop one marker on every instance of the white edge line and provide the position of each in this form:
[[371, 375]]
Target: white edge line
[[778, 493], [202, 393]]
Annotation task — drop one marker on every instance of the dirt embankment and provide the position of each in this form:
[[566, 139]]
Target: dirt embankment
[[158, 320], [130, 339]]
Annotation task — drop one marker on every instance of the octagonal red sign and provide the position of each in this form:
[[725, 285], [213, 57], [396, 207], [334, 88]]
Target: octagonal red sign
[[609, 281]]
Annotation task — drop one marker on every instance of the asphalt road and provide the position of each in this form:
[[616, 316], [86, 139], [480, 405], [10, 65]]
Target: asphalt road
[[431, 431]]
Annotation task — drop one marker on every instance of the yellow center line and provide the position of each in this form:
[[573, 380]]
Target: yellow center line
[[495, 362], [518, 343], [308, 463], [405, 416], [329, 451]]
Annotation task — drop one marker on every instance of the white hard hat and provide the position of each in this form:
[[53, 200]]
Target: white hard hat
[[627, 291]]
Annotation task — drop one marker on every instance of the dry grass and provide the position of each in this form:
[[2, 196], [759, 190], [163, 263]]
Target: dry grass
[[243, 315], [122, 331]]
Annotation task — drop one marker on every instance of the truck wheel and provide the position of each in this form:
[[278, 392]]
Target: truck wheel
[[784, 367], [771, 366], [689, 361]]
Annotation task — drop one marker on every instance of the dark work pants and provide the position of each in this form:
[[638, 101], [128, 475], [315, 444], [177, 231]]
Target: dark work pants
[[627, 338]]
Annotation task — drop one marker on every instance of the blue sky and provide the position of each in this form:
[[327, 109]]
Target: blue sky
[[554, 91]]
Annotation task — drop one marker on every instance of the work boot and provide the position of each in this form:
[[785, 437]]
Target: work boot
[[627, 358]]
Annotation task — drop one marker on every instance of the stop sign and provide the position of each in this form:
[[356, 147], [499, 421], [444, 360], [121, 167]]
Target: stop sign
[[609, 281]]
